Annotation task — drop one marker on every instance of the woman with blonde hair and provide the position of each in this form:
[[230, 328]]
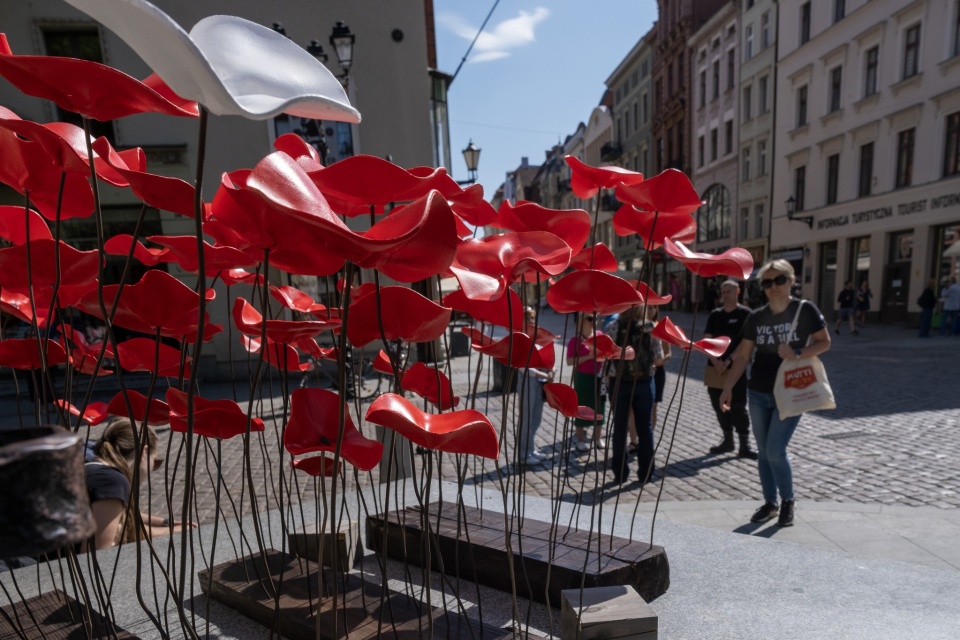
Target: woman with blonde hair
[[110, 476], [767, 341]]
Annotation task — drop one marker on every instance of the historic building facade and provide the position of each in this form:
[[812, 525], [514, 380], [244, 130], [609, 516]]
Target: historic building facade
[[868, 148]]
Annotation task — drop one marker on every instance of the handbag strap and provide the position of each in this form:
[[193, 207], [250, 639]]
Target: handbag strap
[[793, 325]]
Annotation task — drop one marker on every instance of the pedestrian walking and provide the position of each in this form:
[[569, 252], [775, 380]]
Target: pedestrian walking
[[949, 319], [846, 300], [864, 296], [531, 410], [587, 379], [635, 392], [927, 303], [766, 342], [727, 321]]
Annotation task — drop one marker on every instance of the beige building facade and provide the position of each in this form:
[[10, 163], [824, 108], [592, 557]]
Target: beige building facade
[[868, 148]]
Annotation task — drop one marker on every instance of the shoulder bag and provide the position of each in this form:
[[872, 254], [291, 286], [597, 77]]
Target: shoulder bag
[[802, 384]]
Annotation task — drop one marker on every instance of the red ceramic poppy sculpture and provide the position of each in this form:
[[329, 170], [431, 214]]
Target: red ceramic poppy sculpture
[[597, 257], [654, 228], [155, 411], [431, 384], [25, 354], [279, 355], [77, 268], [314, 426], [669, 332], [486, 267], [570, 225], [586, 181], [466, 431], [563, 398], [607, 349], [668, 193], [505, 311], [222, 419], [519, 350], [735, 263], [94, 414], [403, 313], [119, 245], [591, 291], [14, 225], [249, 321], [146, 354], [183, 251], [315, 466]]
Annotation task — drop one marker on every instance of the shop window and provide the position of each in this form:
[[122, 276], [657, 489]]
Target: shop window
[[859, 268], [82, 43], [713, 218], [951, 149]]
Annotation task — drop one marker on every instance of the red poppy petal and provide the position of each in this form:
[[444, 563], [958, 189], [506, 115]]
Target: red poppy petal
[[94, 414], [607, 349], [735, 263], [586, 181], [670, 193], [144, 354], [349, 180], [161, 192], [405, 315], [431, 384], [465, 431], [570, 225], [183, 251], [382, 363], [24, 353], [298, 149], [543, 336], [86, 87], [277, 355], [119, 245], [231, 277], [76, 267], [222, 419], [477, 338], [508, 256], [506, 311], [650, 297], [598, 257], [654, 228], [159, 412], [518, 350], [563, 398], [592, 291], [316, 466], [293, 298], [669, 332], [14, 230], [249, 321], [470, 205], [314, 426]]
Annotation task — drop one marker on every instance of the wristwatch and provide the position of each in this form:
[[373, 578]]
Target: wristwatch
[[797, 353]]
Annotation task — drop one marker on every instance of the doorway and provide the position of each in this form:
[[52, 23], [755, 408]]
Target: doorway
[[896, 278], [827, 277]]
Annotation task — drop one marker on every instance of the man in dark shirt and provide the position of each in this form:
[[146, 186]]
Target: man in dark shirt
[[846, 299], [727, 320]]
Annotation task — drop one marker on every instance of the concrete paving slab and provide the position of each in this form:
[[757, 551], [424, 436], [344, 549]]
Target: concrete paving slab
[[946, 549], [918, 525], [849, 533], [899, 550]]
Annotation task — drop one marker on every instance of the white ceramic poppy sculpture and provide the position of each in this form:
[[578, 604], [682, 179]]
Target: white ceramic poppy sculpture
[[231, 66]]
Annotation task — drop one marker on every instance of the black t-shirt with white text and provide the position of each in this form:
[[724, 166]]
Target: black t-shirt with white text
[[728, 324], [768, 331]]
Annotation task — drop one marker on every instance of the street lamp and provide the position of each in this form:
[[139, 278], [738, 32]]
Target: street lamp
[[471, 155], [791, 213], [342, 39], [316, 50]]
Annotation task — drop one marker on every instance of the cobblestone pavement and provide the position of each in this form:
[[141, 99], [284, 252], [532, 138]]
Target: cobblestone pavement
[[894, 438]]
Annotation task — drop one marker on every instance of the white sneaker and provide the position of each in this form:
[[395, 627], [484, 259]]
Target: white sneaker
[[583, 447], [601, 444], [533, 459]]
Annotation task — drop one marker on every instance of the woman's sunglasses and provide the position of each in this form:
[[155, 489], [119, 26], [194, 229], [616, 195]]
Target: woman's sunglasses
[[780, 280]]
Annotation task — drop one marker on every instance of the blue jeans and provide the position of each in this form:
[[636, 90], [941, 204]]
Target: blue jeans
[[531, 412], [948, 322], [638, 397], [773, 435], [926, 319]]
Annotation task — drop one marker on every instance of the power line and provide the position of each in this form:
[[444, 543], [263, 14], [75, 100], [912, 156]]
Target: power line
[[475, 38]]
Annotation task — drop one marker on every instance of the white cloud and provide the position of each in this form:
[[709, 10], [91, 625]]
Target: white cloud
[[498, 42]]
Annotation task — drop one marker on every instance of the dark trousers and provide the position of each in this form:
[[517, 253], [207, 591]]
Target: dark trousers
[[926, 319], [638, 397], [736, 419]]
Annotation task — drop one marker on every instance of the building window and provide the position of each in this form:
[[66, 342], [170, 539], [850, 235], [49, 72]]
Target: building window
[[764, 105], [799, 187], [905, 140], [839, 10], [728, 137], [805, 23], [659, 93], [636, 116], [645, 102], [951, 150], [703, 88], [681, 72], [745, 164], [802, 106], [701, 152], [716, 79], [748, 48], [762, 158], [747, 103], [765, 31], [713, 145], [866, 170], [744, 223], [911, 52], [870, 73], [956, 29], [758, 216], [713, 218], [833, 177], [836, 88], [670, 79], [731, 67]]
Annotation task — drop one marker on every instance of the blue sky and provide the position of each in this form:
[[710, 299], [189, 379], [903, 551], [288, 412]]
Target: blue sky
[[537, 71]]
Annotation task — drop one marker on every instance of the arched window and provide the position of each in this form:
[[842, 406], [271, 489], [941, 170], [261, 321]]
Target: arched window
[[713, 218]]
